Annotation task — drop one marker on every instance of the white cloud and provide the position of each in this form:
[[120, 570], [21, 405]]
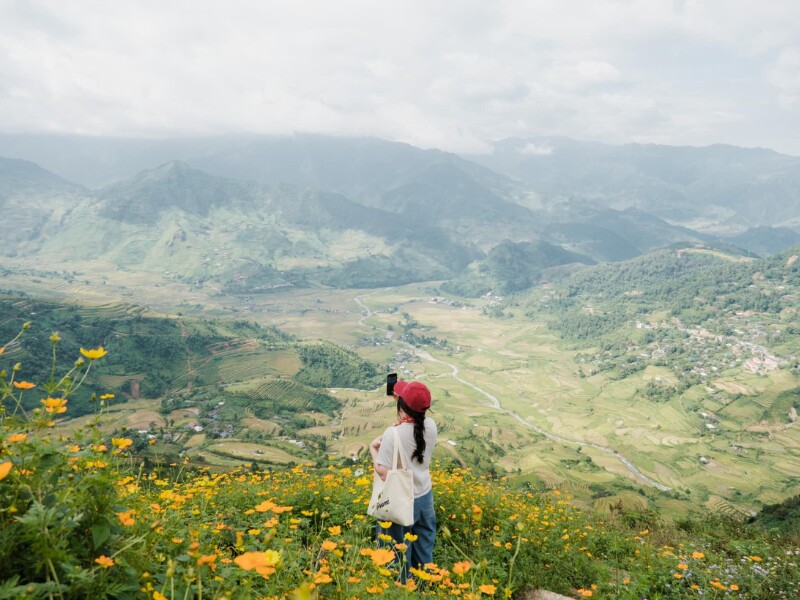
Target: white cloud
[[531, 149], [451, 74], [784, 76]]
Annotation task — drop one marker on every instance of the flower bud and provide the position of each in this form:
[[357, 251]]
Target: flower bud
[[17, 367], [446, 533], [55, 338], [26, 325]]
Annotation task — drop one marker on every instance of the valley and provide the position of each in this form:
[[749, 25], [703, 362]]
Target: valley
[[511, 396], [576, 333]]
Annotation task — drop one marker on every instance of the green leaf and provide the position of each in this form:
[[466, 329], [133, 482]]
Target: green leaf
[[100, 534]]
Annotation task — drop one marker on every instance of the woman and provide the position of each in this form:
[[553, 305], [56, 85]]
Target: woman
[[417, 435]]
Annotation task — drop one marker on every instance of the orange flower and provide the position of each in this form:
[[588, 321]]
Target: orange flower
[[5, 469], [24, 385], [328, 545], [718, 585], [265, 506], [322, 578], [94, 354], [698, 555], [586, 593], [104, 561], [487, 589], [683, 566], [335, 530], [126, 518], [208, 559], [122, 443], [263, 563], [382, 556], [16, 438], [755, 558], [461, 567]]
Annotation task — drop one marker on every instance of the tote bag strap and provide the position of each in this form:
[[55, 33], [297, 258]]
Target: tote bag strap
[[398, 451]]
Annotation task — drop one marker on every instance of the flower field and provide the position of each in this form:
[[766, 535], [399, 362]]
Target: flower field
[[82, 517]]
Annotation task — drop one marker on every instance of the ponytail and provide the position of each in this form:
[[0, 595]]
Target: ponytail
[[419, 429]]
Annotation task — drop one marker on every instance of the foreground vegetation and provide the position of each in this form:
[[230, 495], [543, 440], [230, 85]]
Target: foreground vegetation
[[81, 516]]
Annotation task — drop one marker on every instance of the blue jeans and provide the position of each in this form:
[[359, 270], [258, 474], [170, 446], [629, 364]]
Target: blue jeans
[[420, 551]]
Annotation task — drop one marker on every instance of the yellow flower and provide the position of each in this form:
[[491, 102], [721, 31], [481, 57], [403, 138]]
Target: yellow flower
[[16, 438], [24, 385], [487, 589], [55, 405], [734, 587], [683, 566], [420, 574], [104, 561], [698, 555], [5, 469], [159, 596], [328, 545], [335, 530], [755, 558], [94, 354], [122, 443], [677, 575], [106, 396], [385, 524], [410, 537]]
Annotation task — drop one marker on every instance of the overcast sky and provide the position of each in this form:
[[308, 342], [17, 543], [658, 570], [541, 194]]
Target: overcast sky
[[451, 74]]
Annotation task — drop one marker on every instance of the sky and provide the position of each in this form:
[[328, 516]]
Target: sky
[[449, 74]]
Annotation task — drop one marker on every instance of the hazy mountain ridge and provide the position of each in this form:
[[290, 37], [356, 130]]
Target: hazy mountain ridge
[[718, 188], [368, 212]]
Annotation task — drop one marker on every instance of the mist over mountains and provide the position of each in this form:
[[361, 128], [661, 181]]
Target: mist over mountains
[[252, 213]]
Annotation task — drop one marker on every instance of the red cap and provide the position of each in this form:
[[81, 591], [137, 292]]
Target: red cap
[[416, 395]]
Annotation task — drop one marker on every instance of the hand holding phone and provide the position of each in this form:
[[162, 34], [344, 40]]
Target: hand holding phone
[[391, 379]]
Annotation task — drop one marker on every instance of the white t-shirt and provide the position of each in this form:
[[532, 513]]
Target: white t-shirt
[[422, 476]]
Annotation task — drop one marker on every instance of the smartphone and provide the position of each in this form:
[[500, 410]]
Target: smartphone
[[391, 379]]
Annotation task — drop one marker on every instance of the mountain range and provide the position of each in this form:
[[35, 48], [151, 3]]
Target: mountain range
[[252, 213]]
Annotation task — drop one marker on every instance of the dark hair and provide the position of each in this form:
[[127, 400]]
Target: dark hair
[[419, 428]]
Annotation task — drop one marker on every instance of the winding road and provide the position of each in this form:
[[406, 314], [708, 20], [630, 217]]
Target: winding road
[[495, 403]]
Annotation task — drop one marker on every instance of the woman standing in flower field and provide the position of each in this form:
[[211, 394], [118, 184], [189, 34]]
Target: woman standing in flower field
[[417, 434]]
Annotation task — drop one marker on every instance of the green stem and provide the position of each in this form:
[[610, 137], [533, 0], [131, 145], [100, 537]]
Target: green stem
[[513, 560]]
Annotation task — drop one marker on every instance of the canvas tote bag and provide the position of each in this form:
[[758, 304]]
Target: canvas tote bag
[[393, 498]]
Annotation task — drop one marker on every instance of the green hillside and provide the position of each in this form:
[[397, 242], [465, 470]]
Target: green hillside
[[150, 356], [512, 267]]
